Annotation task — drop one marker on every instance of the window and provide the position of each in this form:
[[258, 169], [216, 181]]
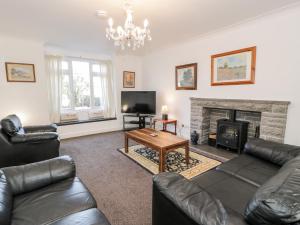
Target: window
[[86, 86]]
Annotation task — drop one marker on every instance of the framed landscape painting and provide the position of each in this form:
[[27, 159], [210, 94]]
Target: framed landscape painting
[[186, 77], [20, 72], [234, 68], [128, 79]]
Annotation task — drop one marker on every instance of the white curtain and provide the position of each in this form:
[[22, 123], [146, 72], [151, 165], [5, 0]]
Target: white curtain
[[107, 88], [54, 74]]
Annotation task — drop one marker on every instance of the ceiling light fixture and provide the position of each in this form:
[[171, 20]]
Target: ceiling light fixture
[[130, 35]]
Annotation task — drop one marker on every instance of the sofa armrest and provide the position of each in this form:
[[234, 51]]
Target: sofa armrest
[[33, 137], [33, 176], [276, 153], [187, 203], [6, 201], [42, 128]]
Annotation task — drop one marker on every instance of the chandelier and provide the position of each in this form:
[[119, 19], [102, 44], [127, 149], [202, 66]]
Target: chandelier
[[130, 36]]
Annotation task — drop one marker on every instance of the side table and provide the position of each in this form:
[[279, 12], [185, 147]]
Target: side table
[[165, 124]]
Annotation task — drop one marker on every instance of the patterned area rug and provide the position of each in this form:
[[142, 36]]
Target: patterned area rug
[[175, 161]]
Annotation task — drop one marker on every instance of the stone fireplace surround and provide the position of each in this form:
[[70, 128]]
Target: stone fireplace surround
[[271, 116]]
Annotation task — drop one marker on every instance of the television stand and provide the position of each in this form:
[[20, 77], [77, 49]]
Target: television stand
[[139, 120]]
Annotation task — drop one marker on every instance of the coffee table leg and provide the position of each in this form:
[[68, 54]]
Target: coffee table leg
[[126, 143], [187, 154], [161, 161]]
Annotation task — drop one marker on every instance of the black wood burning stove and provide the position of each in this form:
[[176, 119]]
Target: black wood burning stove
[[232, 133]]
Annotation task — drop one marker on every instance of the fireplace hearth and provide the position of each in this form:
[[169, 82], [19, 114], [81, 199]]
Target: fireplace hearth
[[232, 133]]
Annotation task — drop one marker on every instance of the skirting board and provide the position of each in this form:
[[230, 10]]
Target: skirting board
[[89, 132]]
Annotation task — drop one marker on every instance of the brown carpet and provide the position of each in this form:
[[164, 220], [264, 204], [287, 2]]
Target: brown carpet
[[122, 189]]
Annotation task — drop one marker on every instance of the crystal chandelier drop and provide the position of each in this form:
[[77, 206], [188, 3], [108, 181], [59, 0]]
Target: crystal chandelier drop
[[130, 36]]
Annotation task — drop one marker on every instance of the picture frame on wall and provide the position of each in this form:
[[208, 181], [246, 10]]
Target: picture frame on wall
[[20, 72], [186, 77], [128, 79], [234, 68]]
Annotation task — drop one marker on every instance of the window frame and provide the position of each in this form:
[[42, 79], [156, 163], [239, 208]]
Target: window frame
[[92, 74]]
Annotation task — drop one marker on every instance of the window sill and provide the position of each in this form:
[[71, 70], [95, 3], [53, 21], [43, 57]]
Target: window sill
[[85, 121]]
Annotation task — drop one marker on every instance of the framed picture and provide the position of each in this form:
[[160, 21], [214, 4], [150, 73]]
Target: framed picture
[[186, 77], [233, 68], [128, 79], [20, 72]]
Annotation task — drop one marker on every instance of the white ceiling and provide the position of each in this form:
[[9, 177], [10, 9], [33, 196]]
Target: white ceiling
[[72, 24]]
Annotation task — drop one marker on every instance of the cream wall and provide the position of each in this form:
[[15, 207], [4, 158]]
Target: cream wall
[[28, 100], [277, 38]]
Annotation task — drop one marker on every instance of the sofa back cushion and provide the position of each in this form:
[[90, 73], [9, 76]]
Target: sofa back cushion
[[6, 200], [273, 152], [11, 124], [277, 201], [33, 176]]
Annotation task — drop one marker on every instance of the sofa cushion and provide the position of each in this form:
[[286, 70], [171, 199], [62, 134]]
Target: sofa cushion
[[277, 201], [271, 151], [11, 124], [234, 193], [6, 200], [250, 169], [52, 203], [86, 217]]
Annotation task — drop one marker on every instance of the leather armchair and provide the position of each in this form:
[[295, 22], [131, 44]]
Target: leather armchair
[[21, 145], [46, 192]]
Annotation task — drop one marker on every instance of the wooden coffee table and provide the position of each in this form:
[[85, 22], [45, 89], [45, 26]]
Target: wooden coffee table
[[163, 143]]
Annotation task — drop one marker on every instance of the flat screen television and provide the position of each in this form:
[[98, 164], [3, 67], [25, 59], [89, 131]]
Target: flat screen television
[[139, 102]]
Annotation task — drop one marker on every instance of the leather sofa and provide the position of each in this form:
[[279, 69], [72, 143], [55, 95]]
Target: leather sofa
[[21, 145], [259, 187], [46, 193]]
